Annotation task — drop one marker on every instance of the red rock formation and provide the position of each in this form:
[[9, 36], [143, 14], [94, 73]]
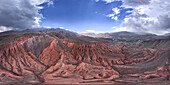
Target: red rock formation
[[47, 58]]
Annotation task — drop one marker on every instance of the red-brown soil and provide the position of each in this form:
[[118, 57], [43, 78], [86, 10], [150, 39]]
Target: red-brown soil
[[55, 58]]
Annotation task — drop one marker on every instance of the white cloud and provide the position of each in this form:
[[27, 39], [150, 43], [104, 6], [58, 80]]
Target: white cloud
[[3, 28], [114, 16], [61, 27], [119, 29], [21, 14], [107, 1], [116, 10], [95, 31], [151, 16], [38, 2]]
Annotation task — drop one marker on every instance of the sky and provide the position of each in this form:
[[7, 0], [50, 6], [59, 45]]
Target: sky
[[82, 16]]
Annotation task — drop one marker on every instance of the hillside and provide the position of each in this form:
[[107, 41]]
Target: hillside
[[59, 56]]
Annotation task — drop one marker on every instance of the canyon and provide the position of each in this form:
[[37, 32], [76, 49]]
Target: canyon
[[63, 57]]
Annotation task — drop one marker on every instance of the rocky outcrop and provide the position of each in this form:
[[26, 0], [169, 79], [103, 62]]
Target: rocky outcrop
[[54, 58]]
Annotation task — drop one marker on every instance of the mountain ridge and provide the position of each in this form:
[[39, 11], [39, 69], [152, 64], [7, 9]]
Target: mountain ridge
[[57, 56]]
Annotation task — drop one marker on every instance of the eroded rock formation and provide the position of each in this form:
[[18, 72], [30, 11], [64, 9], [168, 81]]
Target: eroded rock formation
[[57, 58]]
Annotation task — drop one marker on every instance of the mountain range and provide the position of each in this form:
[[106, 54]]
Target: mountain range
[[58, 56], [124, 35]]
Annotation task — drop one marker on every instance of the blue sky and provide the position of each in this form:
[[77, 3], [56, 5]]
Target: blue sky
[[81, 15], [142, 16]]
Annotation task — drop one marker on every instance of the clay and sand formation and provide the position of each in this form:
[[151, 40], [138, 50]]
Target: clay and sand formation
[[68, 58]]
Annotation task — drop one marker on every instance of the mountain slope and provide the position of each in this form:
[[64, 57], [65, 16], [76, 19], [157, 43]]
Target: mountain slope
[[58, 57], [124, 35]]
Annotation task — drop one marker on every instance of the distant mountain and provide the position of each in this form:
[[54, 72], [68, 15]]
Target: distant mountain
[[38, 30], [167, 34], [124, 35], [89, 34], [21, 31]]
